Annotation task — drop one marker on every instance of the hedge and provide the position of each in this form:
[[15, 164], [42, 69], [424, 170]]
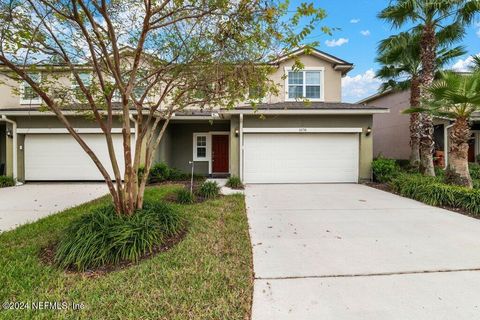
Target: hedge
[[433, 191]]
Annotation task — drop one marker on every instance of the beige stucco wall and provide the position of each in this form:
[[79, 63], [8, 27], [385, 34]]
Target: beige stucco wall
[[324, 121], [332, 82], [234, 147], [332, 79], [391, 133]]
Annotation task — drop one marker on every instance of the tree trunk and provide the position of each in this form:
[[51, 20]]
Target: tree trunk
[[415, 123], [458, 153], [428, 57]]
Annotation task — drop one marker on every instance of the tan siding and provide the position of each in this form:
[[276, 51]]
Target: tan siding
[[391, 133]]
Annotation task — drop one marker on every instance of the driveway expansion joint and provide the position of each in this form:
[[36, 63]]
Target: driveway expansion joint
[[379, 274]]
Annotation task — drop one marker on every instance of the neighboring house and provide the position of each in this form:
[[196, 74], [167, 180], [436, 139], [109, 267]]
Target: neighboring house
[[391, 132], [284, 140]]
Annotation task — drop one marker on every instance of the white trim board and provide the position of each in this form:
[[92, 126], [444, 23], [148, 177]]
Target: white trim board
[[208, 157], [302, 130], [63, 130]]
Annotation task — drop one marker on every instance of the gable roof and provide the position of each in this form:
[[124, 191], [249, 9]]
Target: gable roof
[[338, 64]]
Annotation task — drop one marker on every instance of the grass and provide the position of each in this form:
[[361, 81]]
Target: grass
[[206, 276]]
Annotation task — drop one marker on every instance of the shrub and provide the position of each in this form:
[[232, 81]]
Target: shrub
[[159, 172], [209, 190], [103, 237], [184, 196], [6, 181], [234, 183], [433, 191], [474, 169], [178, 175], [384, 169]]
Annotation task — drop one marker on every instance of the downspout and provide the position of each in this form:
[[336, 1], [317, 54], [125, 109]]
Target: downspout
[[445, 143], [15, 146], [241, 146]]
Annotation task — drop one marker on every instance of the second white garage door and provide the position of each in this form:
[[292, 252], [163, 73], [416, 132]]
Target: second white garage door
[[60, 157], [301, 158]]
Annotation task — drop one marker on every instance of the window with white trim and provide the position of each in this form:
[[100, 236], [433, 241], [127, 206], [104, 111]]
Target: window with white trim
[[27, 94], [200, 147], [86, 78], [304, 84]]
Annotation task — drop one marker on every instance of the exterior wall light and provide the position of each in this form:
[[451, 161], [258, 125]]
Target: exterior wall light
[[236, 132], [9, 133], [368, 131]]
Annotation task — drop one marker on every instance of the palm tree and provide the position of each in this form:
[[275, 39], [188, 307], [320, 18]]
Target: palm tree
[[438, 21], [476, 63], [456, 96], [401, 69]]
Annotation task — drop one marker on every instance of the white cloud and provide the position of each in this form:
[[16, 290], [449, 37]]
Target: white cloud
[[355, 21], [336, 43], [360, 86], [463, 65], [365, 33]]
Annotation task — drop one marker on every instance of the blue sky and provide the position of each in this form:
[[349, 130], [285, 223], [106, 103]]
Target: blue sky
[[356, 41]]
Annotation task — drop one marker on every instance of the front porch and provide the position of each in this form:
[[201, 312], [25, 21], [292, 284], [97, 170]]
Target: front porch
[[442, 142], [210, 146]]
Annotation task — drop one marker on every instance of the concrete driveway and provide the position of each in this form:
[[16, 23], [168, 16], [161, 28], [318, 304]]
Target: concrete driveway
[[346, 251], [32, 201]]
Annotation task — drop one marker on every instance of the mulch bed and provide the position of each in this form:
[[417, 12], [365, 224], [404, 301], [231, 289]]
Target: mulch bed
[[386, 187], [47, 256]]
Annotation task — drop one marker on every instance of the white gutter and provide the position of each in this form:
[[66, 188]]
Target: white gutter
[[306, 111], [240, 133], [445, 143], [15, 146]]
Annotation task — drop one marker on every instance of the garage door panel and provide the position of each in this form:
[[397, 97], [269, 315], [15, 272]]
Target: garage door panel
[[60, 157], [300, 158]]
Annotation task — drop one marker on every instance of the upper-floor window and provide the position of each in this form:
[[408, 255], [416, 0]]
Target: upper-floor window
[[27, 94], [86, 78], [304, 84]]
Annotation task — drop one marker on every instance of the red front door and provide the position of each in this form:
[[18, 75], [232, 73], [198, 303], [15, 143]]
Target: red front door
[[219, 153]]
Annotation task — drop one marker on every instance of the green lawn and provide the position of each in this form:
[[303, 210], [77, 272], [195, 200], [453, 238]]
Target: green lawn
[[206, 276]]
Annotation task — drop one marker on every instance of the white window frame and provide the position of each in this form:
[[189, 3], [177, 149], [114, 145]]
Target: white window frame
[[304, 85], [208, 147], [23, 85], [74, 83]]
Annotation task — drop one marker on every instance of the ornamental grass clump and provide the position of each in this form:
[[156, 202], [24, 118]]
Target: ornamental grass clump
[[103, 237], [209, 190], [234, 182]]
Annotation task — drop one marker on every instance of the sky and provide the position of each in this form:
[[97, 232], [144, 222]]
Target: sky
[[359, 31]]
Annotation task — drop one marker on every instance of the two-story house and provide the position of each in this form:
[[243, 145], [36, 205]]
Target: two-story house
[[283, 140]]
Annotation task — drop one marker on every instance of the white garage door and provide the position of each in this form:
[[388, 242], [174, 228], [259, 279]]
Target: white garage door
[[60, 157], [301, 158]]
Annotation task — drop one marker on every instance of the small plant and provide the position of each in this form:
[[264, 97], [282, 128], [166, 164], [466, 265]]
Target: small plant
[[384, 169], [103, 237], [209, 190], [6, 181], [234, 182], [178, 175], [184, 196], [159, 172], [474, 169]]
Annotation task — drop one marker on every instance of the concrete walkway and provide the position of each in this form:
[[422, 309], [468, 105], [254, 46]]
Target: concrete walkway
[[346, 251], [32, 201]]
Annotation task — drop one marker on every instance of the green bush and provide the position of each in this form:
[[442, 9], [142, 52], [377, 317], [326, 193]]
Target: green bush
[[103, 237], [433, 191], [234, 182], [6, 181], [209, 190], [159, 172], [384, 169], [474, 169], [178, 175], [184, 196]]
